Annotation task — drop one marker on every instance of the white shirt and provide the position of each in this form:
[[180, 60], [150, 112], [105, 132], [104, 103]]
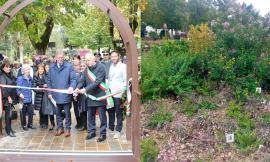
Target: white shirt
[[117, 78]]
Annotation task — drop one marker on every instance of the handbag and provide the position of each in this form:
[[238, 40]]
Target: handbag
[[13, 113]]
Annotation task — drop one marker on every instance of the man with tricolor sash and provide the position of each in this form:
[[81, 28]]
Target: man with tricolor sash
[[93, 83]]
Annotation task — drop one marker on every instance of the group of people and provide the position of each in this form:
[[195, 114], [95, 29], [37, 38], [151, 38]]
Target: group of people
[[80, 78]]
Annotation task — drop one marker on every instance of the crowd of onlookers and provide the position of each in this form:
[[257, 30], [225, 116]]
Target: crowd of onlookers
[[80, 76]]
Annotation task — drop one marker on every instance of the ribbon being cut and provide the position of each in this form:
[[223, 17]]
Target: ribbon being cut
[[107, 97]]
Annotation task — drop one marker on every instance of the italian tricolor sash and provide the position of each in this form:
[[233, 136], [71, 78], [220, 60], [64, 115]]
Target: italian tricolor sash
[[1, 104], [103, 86]]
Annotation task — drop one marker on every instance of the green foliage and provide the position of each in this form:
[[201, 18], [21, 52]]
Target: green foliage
[[207, 105], [204, 8], [177, 14], [149, 150], [264, 73], [90, 31], [153, 35], [246, 140], [245, 122], [159, 119], [166, 70], [265, 119], [234, 110], [188, 107], [201, 38], [159, 12]]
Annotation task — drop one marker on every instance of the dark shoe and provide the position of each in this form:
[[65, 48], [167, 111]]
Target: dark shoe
[[51, 128], [13, 131], [31, 127], [82, 129], [90, 136], [10, 134], [25, 128], [77, 126], [101, 138], [67, 133], [59, 132], [111, 128]]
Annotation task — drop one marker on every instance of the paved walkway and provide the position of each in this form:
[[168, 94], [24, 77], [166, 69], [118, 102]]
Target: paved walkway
[[44, 140]]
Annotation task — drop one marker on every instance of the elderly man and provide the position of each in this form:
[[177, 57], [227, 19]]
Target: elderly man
[[91, 83], [62, 76]]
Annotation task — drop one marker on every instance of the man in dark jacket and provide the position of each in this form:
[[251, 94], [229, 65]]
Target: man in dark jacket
[[91, 86], [62, 76], [107, 62]]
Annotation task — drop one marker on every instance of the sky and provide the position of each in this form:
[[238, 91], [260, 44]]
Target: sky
[[262, 5]]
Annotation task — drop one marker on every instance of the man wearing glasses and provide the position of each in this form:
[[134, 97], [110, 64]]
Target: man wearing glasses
[[106, 62]]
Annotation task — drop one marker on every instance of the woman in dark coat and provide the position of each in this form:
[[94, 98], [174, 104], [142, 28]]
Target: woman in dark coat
[[50, 109], [39, 81], [9, 94], [82, 103]]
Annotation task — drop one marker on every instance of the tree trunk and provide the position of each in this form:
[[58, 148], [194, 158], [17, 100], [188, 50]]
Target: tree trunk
[[133, 20], [111, 28], [19, 47], [41, 46]]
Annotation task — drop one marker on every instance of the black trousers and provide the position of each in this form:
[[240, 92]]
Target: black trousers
[[83, 117], [7, 119], [118, 112], [77, 113], [27, 110], [91, 119], [43, 119]]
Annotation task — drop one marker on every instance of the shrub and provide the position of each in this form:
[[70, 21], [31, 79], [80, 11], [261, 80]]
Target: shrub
[[264, 74], [207, 105], [165, 71], [189, 108], [244, 122], [234, 110], [153, 35], [149, 150], [159, 119], [265, 119], [201, 38], [246, 140]]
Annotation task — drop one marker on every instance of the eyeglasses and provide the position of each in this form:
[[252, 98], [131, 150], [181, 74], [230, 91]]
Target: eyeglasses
[[106, 54]]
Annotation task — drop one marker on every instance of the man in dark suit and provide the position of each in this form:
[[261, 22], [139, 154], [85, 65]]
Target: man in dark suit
[[107, 62], [91, 83]]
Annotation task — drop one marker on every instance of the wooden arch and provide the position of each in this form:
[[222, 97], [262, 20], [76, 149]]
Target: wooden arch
[[133, 122]]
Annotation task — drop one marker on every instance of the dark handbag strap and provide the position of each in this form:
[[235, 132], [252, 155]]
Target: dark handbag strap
[[12, 106]]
